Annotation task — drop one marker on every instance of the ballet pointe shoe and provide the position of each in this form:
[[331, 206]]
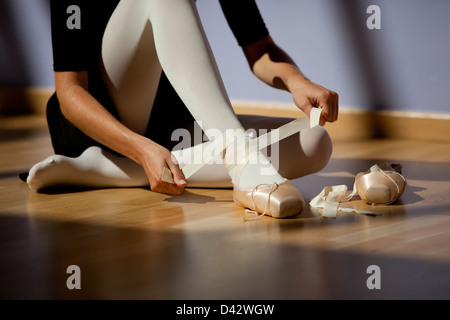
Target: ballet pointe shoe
[[280, 199], [382, 184], [277, 200]]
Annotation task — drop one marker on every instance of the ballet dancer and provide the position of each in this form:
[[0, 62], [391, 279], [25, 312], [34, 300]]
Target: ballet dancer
[[132, 72]]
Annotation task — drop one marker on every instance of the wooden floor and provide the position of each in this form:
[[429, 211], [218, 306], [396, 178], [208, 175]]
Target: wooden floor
[[135, 244]]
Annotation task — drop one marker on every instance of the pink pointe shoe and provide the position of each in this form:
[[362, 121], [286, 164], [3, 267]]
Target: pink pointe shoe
[[282, 200], [278, 200], [382, 184]]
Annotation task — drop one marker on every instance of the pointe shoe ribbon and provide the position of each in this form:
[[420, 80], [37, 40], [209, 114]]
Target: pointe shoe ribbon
[[279, 200], [381, 184], [218, 145], [330, 198]]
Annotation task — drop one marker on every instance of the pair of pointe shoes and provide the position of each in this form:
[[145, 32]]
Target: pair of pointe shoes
[[283, 200], [381, 184]]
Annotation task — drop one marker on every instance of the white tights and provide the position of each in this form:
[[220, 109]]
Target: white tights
[[142, 38]]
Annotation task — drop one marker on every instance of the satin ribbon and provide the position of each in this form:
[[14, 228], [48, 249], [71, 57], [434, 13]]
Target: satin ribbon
[[332, 196], [330, 199], [214, 148]]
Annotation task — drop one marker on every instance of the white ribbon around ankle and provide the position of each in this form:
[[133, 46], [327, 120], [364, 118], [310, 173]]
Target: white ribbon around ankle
[[214, 148]]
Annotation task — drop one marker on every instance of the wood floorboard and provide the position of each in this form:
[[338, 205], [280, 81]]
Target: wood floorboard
[[131, 243]]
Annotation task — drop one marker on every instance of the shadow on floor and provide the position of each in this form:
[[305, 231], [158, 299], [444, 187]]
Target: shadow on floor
[[124, 263]]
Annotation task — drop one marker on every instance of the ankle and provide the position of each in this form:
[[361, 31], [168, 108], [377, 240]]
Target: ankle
[[237, 152]]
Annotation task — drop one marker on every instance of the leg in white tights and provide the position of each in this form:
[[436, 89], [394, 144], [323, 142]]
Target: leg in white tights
[[299, 155], [143, 36], [184, 54], [94, 168], [294, 157]]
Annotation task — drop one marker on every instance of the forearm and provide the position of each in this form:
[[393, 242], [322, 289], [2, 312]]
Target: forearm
[[86, 113], [280, 75], [273, 66]]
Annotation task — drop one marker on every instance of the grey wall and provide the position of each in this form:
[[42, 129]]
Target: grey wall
[[25, 44], [403, 66]]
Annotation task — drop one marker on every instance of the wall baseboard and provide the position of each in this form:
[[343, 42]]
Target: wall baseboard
[[358, 124], [24, 100], [353, 124]]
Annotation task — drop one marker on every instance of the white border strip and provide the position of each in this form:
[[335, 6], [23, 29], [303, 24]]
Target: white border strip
[[264, 105]]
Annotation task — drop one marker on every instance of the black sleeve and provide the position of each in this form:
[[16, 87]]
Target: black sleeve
[[71, 47], [245, 20]]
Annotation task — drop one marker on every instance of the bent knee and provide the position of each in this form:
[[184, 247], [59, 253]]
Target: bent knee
[[312, 154], [318, 147]]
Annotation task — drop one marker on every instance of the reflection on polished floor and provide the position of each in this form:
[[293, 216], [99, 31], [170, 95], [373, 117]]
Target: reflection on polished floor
[[136, 244]]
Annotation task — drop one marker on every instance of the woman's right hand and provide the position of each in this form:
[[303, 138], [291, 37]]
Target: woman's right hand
[[154, 158]]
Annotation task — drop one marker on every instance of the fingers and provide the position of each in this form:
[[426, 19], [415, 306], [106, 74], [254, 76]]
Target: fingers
[[309, 95], [172, 179], [307, 107], [165, 176], [167, 183], [166, 188], [329, 102], [178, 175]]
